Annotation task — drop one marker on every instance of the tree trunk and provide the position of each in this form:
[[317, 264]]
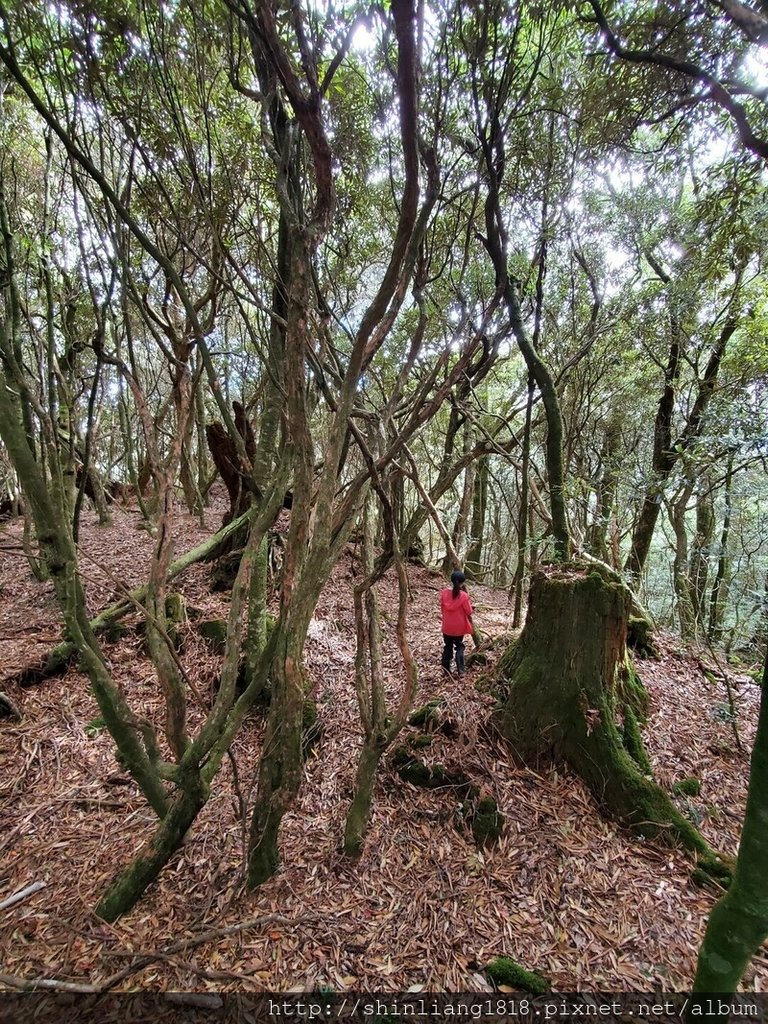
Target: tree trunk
[[680, 565], [522, 521], [202, 758], [606, 493], [380, 725], [738, 924], [473, 563], [359, 812], [667, 451], [569, 678], [702, 547], [717, 599], [155, 854], [461, 528], [281, 758]]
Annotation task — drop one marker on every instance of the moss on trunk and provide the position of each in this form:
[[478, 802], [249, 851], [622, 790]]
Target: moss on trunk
[[359, 812], [281, 760], [152, 858], [738, 924], [564, 680], [640, 637]]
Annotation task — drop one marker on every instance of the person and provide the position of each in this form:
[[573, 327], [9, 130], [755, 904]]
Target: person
[[456, 609]]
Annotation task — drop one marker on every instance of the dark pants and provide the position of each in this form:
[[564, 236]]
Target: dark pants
[[451, 642]]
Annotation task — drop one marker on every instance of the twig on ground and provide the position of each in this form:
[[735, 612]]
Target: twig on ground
[[22, 894], [198, 940]]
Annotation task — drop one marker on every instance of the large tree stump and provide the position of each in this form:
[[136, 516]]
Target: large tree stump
[[568, 679]]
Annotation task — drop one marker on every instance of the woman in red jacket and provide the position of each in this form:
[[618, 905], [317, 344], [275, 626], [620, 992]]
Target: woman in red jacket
[[456, 610]]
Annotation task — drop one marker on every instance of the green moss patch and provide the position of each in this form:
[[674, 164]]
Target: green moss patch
[[215, 632], [505, 971], [412, 770], [631, 690], [687, 787], [175, 607], [633, 741], [481, 815], [427, 716], [640, 638], [420, 741]]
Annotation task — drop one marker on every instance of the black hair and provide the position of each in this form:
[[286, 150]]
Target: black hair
[[457, 578]]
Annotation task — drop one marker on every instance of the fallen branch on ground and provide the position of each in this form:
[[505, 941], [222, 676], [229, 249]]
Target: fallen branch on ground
[[22, 894]]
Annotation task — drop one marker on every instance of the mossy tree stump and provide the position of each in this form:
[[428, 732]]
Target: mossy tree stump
[[565, 680]]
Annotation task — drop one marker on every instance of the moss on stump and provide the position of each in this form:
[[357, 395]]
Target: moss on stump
[[175, 607], [633, 742], [563, 677], [504, 971], [631, 690], [640, 637], [478, 657], [420, 741], [487, 822], [215, 632]]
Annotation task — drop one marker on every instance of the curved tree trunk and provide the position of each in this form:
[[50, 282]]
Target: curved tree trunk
[[569, 679], [738, 924], [281, 760]]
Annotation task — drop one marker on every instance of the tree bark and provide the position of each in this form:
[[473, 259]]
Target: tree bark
[[680, 566], [738, 924], [380, 727], [702, 543], [155, 853], [717, 599], [569, 677], [516, 589], [473, 566], [666, 452]]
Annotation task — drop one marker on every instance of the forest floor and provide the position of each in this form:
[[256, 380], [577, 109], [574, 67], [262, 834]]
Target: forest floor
[[564, 892]]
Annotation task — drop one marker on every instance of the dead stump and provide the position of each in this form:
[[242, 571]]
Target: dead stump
[[566, 693]]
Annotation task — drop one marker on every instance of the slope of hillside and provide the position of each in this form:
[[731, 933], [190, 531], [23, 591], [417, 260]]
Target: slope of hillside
[[564, 891]]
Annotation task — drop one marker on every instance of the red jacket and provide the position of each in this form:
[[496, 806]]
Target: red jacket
[[456, 612]]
